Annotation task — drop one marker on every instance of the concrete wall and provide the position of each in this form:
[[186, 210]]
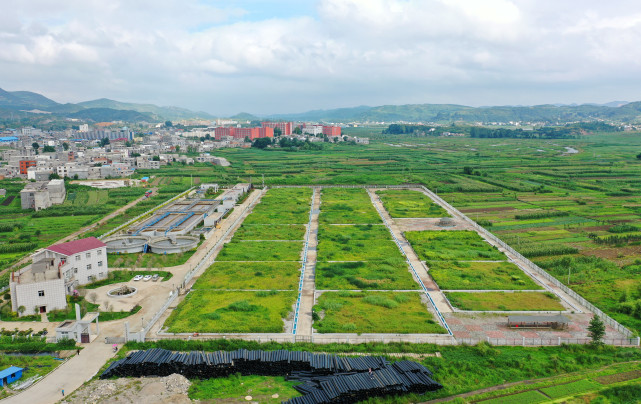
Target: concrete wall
[[27, 295], [96, 259]]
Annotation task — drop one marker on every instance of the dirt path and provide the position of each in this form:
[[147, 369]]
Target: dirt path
[[73, 235], [305, 321]]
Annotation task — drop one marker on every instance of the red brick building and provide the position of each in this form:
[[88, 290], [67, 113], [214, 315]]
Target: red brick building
[[332, 131], [25, 164], [285, 127], [242, 133]]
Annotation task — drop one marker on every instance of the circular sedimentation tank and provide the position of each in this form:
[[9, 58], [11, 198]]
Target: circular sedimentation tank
[[126, 244], [173, 244]]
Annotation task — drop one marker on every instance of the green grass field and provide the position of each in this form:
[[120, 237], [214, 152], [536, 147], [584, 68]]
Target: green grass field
[[347, 206], [282, 206], [493, 301], [374, 312], [389, 274], [237, 387], [403, 203], [453, 275], [261, 251], [231, 312], [270, 232], [452, 245], [148, 260], [250, 275]]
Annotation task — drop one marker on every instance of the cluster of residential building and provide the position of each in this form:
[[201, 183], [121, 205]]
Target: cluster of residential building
[[101, 152]]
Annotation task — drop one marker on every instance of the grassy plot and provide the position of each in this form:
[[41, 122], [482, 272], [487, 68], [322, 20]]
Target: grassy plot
[[343, 234], [408, 203], [222, 312], [529, 397], [569, 389], [237, 387], [494, 301], [148, 260], [374, 312], [355, 243], [356, 250], [250, 275], [349, 206], [283, 206], [270, 232], [388, 274], [452, 245], [453, 275], [261, 251]]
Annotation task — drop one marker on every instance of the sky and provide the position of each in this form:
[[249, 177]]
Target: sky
[[286, 56]]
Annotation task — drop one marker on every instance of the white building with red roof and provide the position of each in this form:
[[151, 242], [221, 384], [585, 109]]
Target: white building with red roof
[[55, 272]]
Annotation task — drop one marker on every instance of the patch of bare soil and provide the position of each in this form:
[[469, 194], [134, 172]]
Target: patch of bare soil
[[614, 253], [140, 390]]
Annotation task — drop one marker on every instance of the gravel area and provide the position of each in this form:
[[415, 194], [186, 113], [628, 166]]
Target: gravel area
[[141, 390]]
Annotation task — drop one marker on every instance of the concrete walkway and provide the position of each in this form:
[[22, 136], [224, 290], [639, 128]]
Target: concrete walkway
[[68, 376], [305, 321], [439, 298]]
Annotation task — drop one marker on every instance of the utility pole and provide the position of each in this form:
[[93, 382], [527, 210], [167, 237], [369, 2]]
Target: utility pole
[[263, 181]]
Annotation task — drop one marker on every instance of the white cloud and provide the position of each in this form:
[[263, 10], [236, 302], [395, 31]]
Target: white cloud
[[351, 52]]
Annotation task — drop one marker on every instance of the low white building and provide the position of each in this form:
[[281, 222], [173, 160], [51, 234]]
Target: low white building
[[55, 272]]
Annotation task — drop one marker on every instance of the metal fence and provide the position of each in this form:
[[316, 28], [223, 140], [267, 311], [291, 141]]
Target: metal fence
[[546, 341], [532, 266], [418, 278], [304, 264]]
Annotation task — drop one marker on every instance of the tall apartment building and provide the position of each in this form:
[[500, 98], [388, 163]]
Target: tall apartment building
[[332, 131], [242, 133], [285, 127], [55, 272]]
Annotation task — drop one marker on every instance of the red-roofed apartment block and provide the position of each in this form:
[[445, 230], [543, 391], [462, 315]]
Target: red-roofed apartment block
[[55, 272]]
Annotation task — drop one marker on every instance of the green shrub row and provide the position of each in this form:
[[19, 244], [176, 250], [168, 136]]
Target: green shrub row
[[541, 215]]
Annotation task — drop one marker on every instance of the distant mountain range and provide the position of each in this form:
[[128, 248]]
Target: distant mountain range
[[446, 113], [15, 103], [26, 103]]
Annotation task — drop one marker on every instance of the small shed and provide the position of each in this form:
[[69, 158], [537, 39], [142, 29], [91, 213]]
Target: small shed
[[10, 375], [556, 321]]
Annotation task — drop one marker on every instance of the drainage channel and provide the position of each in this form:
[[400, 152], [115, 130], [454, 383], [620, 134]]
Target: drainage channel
[[400, 247], [304, 264]]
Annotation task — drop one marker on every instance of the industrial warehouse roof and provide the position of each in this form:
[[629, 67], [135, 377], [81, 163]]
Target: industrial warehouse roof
[[538, 319], [77, 246], [4, 139]]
